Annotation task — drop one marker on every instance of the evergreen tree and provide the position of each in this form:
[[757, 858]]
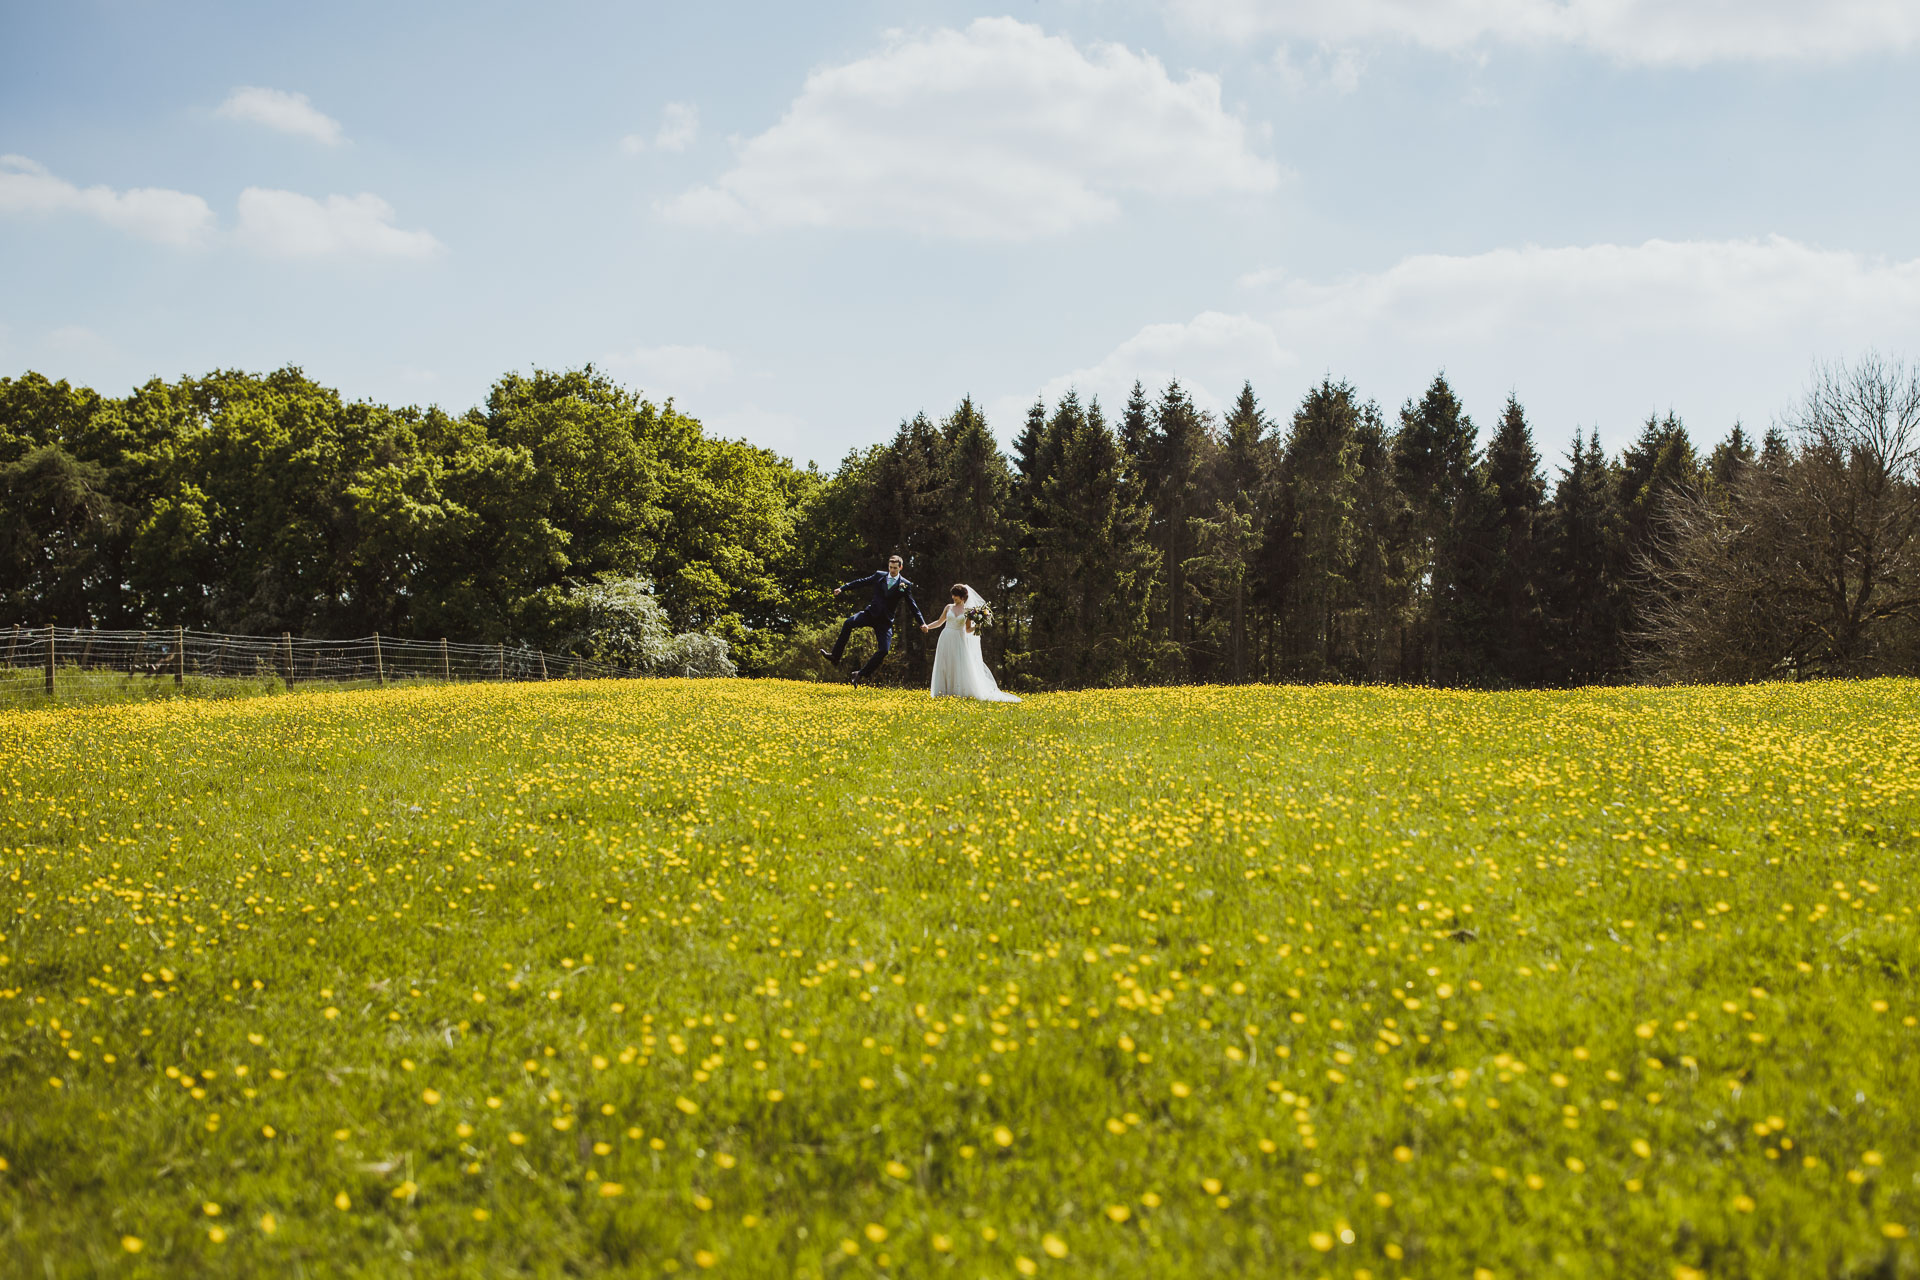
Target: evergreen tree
[[1730, 459], [1660, 461], [1136, 430], [1228, 541], [1657, 467], [1028, 450], [1377, 577], [1583, 569], [1775, 450], [975, 489], [904, 519], [1094, 563], [1176, 456], [1435, 467], [1308, 548], [1515, 605], [1029, 478]]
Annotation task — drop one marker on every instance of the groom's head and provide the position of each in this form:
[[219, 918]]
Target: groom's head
[[894, 565]]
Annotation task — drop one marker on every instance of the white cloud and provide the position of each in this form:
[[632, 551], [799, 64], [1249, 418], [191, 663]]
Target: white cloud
[[675, 370], [151, 213], [1211, 355], [1598, 335], [679, 126], [1677, 32], [286, 112], [1336, 69], [286, 224], [999, 131]]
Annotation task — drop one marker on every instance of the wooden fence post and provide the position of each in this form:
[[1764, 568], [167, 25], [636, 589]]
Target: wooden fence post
[[502, 649], [286, 655], [446, 667], [50, 636], [13, 644], [179, 656], [543, 666], [379, 667]]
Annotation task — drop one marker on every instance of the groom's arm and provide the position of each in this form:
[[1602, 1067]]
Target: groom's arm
[[857, 582], [915, 606]]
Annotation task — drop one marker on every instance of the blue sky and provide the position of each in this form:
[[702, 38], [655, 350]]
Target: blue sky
[[806, 222]]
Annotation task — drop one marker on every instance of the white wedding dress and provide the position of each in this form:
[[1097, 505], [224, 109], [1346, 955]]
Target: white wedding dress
[[958, 669]]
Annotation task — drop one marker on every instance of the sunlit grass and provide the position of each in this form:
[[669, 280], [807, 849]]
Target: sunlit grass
[[780, 980], [24, 689]]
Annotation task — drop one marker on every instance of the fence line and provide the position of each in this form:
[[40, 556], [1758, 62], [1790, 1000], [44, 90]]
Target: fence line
[[53, 664]]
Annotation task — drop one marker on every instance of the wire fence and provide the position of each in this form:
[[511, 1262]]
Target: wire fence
[[51, 664]]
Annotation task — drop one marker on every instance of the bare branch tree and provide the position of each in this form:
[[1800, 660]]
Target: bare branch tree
[[1809, 565]]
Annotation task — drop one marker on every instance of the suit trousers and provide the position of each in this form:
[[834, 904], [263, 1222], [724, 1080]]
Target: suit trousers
[[882, 639]]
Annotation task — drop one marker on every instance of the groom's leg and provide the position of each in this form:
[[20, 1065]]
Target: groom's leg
[[846, 629], [882, 641]]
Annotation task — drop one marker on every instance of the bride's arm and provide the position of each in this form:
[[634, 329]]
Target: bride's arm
[[937, 623]]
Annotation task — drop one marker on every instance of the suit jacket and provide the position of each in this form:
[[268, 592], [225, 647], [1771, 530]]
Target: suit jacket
[[885, 603]]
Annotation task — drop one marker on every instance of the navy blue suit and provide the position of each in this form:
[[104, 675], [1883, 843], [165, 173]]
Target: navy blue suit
[[878, 615]]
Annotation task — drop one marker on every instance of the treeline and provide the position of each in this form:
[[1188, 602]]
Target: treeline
[[1159, 544], [1340, 544], [251, 504]]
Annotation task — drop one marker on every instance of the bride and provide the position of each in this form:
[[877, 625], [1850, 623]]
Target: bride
[[958, 669]]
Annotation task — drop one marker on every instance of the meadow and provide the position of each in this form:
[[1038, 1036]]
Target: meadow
[[770, 979]]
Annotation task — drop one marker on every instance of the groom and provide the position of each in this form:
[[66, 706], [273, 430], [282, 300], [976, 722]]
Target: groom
[[889, 588]]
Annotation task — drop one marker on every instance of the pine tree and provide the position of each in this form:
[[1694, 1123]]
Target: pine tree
[[1029, 476], [1093, 556], [1730, 460], [1775, 450], [1434, 464], [975, 488], [901, 516], [1377, 577], [1176, 455], [974, 485], [1228, 541], [1583, 563], [1515, 605], [1136, 429], [1308, 544], [1654, 469]]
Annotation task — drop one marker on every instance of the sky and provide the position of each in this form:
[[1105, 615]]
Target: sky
[[804, 223]]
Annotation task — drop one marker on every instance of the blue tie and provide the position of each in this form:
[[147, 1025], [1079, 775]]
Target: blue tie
[[891, 579]]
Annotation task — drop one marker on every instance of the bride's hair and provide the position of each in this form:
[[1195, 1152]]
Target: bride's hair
[[959, 591]]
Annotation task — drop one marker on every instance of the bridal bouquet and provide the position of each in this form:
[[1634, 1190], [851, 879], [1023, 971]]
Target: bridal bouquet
[[981, 617]]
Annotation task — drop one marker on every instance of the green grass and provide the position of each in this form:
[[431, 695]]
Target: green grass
[[75, 686], [23, 689], [637, 978]]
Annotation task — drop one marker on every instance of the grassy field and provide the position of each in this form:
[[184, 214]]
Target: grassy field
[[25, 689], [773, 979]]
